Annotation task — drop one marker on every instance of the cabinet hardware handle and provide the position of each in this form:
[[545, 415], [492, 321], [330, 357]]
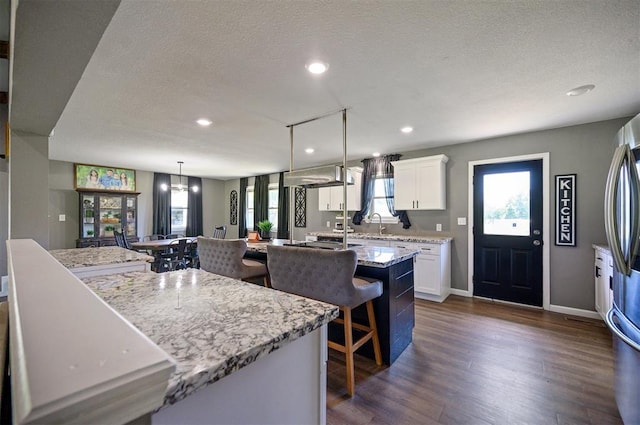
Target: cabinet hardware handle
[[418, 204]]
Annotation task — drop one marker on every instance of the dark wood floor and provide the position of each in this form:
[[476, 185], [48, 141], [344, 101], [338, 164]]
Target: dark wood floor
[[478, 362]]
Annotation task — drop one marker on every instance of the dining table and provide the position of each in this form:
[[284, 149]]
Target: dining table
[[158, 245]]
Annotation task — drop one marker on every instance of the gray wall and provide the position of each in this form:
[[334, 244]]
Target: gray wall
[[585, 150], [63, 199], [28, 187]]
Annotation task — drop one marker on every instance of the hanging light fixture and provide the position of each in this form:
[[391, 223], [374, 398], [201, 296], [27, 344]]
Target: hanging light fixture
[[180, 177]]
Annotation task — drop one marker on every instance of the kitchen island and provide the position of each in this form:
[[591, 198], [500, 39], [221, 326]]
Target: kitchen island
[[97, 261], [394, 309], [179, 347]]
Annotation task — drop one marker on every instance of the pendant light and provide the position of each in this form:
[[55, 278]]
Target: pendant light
[[180, 177]]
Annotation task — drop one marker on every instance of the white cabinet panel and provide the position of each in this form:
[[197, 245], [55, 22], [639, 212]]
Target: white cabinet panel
[[331, 198], [420, 183], [431, 270], [603, 273]]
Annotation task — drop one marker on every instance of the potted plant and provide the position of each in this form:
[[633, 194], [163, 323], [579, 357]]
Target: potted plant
[[265, 227], [108, 230], [89, 233]]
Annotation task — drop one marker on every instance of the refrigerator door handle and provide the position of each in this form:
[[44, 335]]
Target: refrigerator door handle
[[611, 324], [611, 210], [634, 183]]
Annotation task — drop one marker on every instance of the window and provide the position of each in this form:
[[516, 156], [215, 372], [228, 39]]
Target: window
[[249, 204], [379, 202], [179, 208], [273, 206]]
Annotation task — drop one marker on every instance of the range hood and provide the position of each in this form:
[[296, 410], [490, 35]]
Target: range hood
[[327, 176]]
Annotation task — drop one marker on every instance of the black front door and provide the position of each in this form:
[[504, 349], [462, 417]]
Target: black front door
[[507, 231]]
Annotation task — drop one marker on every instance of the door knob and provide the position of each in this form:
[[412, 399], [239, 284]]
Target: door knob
[[536, 242]]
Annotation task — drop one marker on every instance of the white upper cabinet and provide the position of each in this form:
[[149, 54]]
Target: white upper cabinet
[[420, 183], [331, 199]]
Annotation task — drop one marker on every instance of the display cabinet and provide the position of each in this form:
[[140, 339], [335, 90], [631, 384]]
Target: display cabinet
[[103, 212]]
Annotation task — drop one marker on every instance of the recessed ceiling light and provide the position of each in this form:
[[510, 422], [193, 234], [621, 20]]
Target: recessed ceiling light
[[309, 150], [204, 122], [376, 154], [406, 129], [578, 91], [317, 67]]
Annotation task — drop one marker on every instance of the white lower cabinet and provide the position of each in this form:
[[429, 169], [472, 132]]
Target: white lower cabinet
[[431, 270], [368, 242], [603, 275]]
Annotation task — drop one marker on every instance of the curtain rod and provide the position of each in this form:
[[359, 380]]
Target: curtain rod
[[318, 117]]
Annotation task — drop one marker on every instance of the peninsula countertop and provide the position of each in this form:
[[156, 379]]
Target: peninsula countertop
[[210, 324], [386, 237], [100, 256], [372, 256]]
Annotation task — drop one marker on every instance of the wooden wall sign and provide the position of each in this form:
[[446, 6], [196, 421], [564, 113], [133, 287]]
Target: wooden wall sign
[[566, 210]]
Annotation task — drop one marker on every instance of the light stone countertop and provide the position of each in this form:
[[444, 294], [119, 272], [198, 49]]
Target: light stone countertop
[[372, 256], [387, 237], [210, 324], [87, 257]]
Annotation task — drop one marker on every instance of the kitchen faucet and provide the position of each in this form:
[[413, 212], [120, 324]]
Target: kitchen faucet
[[380, 228]]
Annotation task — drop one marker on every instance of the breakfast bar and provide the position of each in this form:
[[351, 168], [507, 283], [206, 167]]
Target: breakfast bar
[[97, 261], [191, 347], [394, 309]]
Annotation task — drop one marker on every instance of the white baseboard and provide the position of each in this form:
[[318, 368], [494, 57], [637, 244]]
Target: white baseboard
[[574, 311], [461, 292]]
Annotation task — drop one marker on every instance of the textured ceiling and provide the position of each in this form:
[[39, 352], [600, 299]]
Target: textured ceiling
[[457, 71]]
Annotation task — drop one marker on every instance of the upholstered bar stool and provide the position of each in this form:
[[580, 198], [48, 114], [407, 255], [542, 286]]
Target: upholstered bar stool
[[224, 257], [328, 276]]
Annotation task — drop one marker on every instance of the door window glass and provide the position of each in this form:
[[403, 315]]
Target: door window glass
[[507, 204]]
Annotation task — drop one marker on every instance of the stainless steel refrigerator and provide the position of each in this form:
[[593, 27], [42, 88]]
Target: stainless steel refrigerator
[[622, 224]]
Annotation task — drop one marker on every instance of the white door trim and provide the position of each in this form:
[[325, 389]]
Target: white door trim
[[544, 156]]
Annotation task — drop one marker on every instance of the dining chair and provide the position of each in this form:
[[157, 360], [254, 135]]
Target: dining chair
[[219, 232], [174, 258], [327, 275], [120, 239], [174, 236], [154, 237], [225, 257]]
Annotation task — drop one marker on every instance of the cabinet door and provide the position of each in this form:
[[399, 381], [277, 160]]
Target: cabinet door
[[336, 198], [354, 193], [131, 223], [598, 275], [110, 213], [429, 186], [88, 216], [427, 275], [404, 187], [324, 199]]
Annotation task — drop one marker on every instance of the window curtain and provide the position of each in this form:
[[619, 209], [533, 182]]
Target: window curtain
[[386, 171], [373, 168], [194, 205], [161, 204], [260, 199], [283, 209], [242, 209]]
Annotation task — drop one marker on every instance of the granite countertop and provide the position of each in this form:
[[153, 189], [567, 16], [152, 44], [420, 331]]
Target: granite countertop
[[210, 324], [387, 237], [87, 257], [372, 256]]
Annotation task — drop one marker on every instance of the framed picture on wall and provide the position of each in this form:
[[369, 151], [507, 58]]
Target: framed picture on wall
[[102, 178]]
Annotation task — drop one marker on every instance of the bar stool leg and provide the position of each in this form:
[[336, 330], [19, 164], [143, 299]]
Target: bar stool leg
[[348, 345], [374, 328]]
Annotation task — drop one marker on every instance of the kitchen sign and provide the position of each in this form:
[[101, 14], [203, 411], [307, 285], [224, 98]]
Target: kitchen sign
[[566, 210]]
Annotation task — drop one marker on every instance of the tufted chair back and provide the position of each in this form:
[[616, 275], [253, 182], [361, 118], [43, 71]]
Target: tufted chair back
[[324, 275], [222, 256]]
